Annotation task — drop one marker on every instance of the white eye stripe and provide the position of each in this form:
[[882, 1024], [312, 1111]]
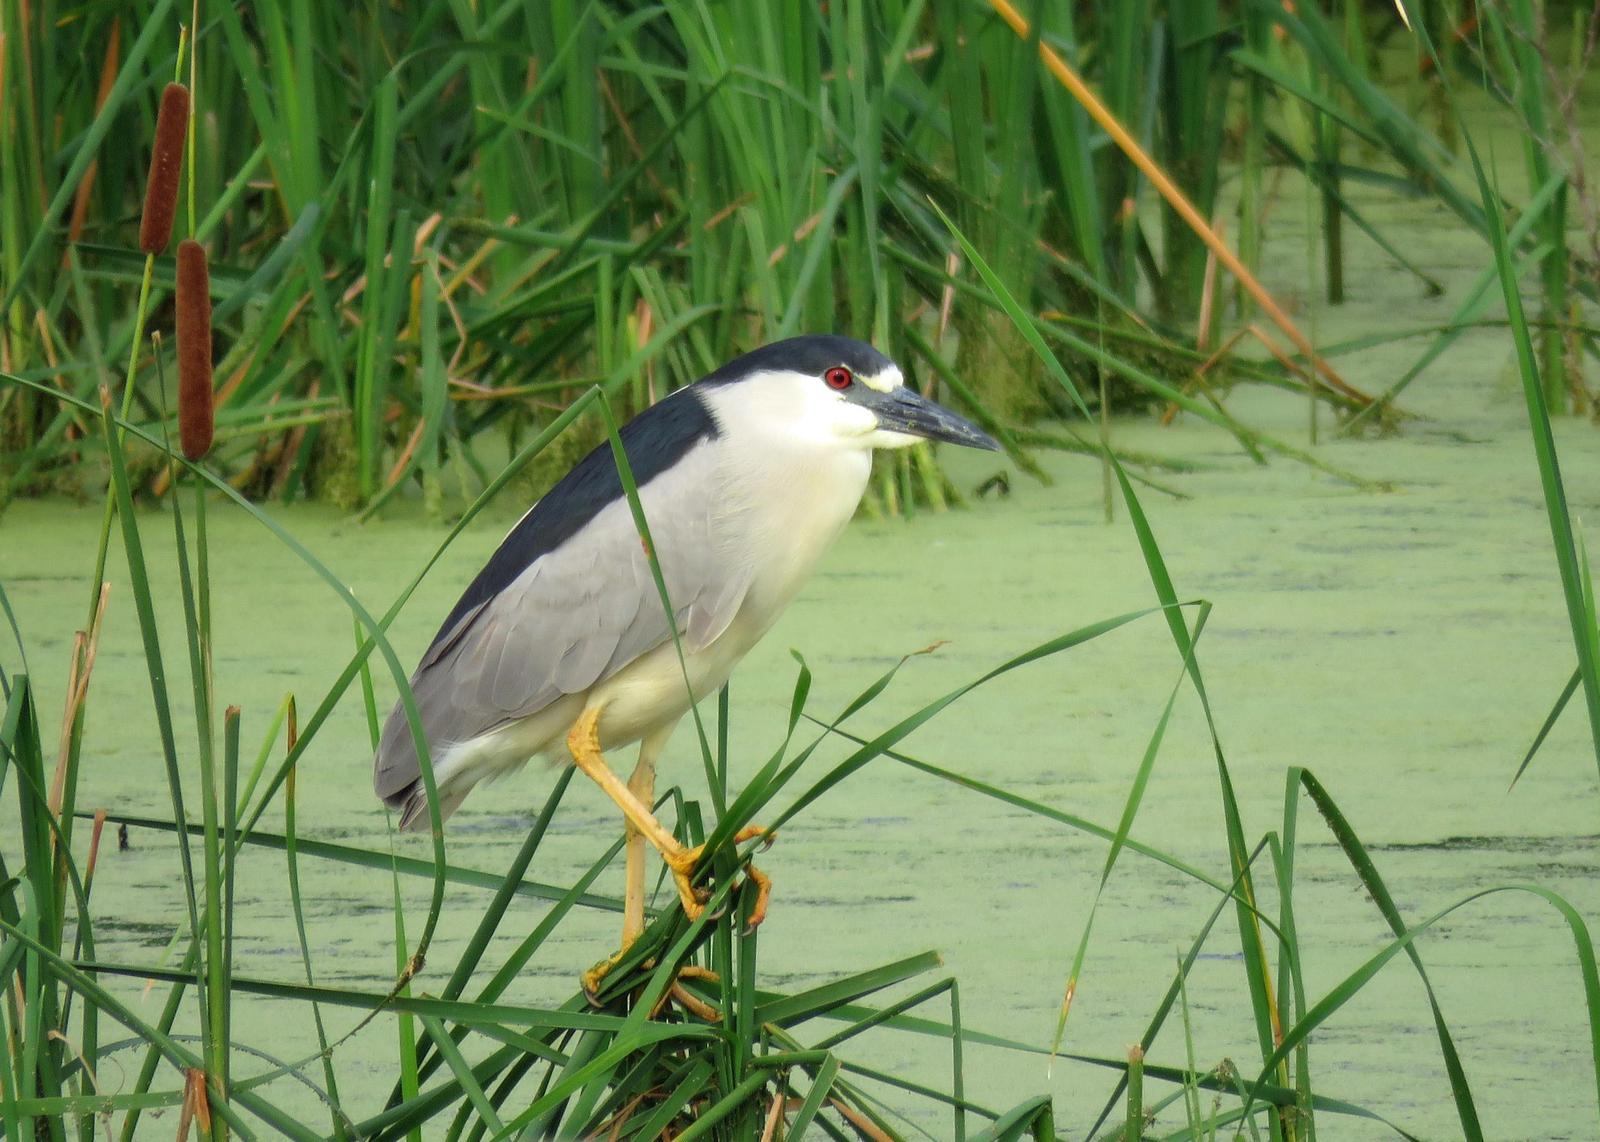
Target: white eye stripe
[[884, 382]]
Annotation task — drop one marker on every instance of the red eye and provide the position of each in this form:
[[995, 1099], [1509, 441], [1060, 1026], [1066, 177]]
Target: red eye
[[838, 378]]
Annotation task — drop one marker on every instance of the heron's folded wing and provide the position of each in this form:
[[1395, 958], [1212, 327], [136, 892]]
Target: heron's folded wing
[[574, 617]]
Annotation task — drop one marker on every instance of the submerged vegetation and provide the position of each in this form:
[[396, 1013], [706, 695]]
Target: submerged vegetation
[[439, 235]]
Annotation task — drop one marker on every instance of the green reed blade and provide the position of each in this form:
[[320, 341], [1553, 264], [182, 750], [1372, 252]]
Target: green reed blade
[[805, 1005], [822, 1080], [1071, 820], [60, 1106], [339, 1121], [1175, 990], [1544, 445], [1474, 302], [1550, 720], [463, 1073], [604, 1061], [214, 1027], [884, 1014], [1033, 1116], [673, 1102], [378, 860], [16, 637], [1250, 932], [1119, 838], [630, 490], [733, 1100], [1343, 992], [908, 725], [1355, 852], [155, 666], [509, 886]]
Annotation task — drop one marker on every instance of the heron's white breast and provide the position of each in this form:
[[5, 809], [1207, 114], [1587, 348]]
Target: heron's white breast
[[788, 484]]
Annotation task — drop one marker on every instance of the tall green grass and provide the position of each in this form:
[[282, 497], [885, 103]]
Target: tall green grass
[[431, 228], [1543, 374]]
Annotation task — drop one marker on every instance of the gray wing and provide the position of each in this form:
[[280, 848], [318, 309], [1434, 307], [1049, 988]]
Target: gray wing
[[573, 618]]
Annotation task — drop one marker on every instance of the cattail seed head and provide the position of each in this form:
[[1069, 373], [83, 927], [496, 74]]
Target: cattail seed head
[[166, 165], [196, 416]]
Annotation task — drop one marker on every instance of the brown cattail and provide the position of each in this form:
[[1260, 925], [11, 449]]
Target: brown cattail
[[166, 164], [196, 416]]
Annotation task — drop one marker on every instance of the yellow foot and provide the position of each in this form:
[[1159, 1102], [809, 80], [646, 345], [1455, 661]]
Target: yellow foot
[[591, 980], [687, 999], [681, 863], [763, 884]]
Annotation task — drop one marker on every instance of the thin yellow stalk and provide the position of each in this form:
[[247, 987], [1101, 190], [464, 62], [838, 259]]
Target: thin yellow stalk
[[94, 850], [84, 647], [474, 260], [69, 716], [194, 69], [862, 1125], [1108, 122]]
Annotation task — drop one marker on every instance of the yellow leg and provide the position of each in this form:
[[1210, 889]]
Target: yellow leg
[[584, 743], [634, 799], [642, 785]]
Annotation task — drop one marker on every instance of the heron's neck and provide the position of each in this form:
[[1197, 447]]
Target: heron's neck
[[785, 499]]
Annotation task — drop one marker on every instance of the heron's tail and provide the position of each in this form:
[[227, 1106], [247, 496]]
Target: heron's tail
[[397, 775], [412, 805]]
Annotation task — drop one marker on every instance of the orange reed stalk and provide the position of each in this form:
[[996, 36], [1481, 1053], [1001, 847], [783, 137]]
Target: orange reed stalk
[[166, 164], [108, 76], [196, 415], [1176, 199]]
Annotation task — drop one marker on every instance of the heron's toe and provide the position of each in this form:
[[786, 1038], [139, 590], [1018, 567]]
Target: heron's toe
[[690, 895], [683, 862], [591, 980], [758, 911]]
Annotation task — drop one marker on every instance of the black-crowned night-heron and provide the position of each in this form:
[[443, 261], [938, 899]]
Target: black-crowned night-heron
[[745, 477]]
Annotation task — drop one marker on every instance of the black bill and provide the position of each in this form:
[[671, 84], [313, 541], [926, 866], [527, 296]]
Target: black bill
[[903, 409]]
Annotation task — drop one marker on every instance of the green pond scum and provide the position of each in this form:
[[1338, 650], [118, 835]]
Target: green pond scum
[[1395, 645]]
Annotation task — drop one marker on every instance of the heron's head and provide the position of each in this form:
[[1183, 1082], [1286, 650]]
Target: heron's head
[[834, 390]]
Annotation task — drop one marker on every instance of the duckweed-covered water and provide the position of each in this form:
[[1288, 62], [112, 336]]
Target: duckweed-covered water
[[1404, 646]]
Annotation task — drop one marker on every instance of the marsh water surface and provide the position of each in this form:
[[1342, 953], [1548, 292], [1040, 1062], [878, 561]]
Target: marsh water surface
[[1403, 645]]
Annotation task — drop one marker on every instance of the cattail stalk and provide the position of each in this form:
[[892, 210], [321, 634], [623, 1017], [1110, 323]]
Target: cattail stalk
[[166, 167], [155, 230], [196, 414]]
